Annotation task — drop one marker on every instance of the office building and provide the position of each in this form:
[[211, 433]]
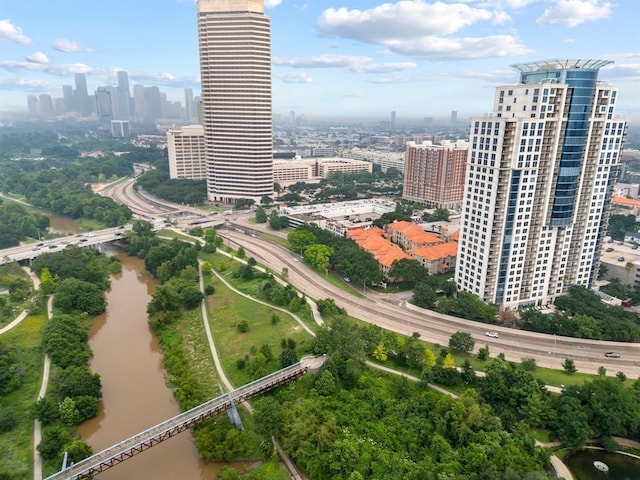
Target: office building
[[45, 106], [105, 100], [123, 97], [120, 129], [32, 105], [434, 174], [67, 96], [189, 105], [540, 176], [186, 149], [81, 95], [454, 116], [235, 70]]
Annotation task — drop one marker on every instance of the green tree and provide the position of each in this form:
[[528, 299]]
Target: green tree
[[47, 283], [380, 353], [78, 450], [569, 366], [461, 342], [69, 414], [261, 215], [319, 256]]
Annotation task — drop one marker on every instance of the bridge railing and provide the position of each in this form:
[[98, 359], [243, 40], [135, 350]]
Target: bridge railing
[[188, 417]]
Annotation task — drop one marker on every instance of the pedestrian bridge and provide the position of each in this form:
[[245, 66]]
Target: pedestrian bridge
[[136, 444]]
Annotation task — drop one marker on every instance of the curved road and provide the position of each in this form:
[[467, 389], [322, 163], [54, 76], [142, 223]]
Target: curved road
[[392, 313]]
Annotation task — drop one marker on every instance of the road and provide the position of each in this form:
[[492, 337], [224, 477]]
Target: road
[[393, 313]]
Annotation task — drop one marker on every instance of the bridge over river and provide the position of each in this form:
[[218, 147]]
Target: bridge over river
[[136, 444]]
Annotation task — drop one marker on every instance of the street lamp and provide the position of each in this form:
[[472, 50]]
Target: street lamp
[[364, 286]]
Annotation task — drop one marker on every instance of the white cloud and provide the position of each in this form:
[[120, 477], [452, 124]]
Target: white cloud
[[460, 48], [50, 68], [574, 12], [38, 57], [65, 45], [322, 61], [423, 30], [383, 67], [404, 19], [27, 85], [272, 3], [294, 77], [8, 31]]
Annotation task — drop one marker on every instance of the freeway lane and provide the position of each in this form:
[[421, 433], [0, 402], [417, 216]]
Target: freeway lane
[[388, 312]]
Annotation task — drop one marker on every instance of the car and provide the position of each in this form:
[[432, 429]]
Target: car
[[121, 227], [612, 355], [491, 334], [609, 249], [621, 259], [347, 279]]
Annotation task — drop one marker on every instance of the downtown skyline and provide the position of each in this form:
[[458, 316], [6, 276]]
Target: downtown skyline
[[331, 58]]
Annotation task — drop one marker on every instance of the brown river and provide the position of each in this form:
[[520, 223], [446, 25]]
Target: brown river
[[135, 397]]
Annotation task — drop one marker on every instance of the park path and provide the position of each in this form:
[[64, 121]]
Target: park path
[[37, 428]]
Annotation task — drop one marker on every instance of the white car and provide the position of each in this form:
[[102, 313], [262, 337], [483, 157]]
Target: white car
[[492, 334]]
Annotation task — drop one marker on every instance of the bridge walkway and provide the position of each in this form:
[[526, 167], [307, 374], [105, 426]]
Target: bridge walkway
[[136, 444]]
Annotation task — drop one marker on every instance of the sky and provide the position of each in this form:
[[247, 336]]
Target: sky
[[331, 58]]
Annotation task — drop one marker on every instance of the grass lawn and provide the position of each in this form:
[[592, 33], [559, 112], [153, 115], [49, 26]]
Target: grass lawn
[[226, 309], [170, 234], [16, 445], [196, 350]]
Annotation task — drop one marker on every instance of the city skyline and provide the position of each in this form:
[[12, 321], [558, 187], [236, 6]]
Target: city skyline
[[331, 58]]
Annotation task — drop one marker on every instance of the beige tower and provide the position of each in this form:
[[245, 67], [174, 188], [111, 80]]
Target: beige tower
[[235, 69]]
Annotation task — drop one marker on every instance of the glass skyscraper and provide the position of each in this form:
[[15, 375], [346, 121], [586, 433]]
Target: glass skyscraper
[[539, 180]]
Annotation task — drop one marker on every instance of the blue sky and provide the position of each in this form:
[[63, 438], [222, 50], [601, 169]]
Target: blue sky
[[331, 58]]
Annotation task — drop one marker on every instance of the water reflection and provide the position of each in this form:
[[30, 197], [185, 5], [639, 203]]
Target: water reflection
[[621, 467]]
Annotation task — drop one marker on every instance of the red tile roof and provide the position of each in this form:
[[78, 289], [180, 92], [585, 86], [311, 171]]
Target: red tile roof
[[372, 241], [437, 252], [630, 202], [414, 233]]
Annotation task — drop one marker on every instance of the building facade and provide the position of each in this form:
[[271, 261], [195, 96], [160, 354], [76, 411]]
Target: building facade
[[187, 156], [235, 69], [434, 174], [540, 176]]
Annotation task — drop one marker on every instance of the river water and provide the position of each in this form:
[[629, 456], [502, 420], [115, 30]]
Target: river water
[[58, 224], [135, 397]]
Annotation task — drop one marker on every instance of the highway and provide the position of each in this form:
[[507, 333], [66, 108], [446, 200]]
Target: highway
[[393, 313], [390, 312], [88, 239]]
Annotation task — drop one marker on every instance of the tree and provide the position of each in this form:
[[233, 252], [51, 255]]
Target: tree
[[569, 366], [572, 422], [47, 283], [319, 256], [10, 372], [78, 450], [241, 253], [261, 215], [461, 342], [380, 353]]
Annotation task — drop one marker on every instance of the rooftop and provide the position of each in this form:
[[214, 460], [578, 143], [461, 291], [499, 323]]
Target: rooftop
[[561, 64]]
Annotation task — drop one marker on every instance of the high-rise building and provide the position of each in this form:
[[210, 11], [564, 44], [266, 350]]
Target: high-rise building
[[67, 96], [105, 102], [186, 149], [540, 176], [123, 97], [189, 105], [435, 174], [454, 116], [152, 105], [45, 106], [138, 102], [235, 70], [393, 118], [120, 128], [81, 95], [32, 105]]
